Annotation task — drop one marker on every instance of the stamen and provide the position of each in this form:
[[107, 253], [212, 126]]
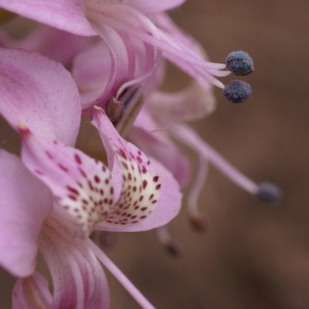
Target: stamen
[[126, 283], [238, 91], [132, 101], [239, 63], [198, 221], [187, 136], [171, 246], [268, 192]]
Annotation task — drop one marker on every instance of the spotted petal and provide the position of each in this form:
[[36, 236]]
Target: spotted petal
[[39, 93], [81, 185], [140, 183], [24, 204]]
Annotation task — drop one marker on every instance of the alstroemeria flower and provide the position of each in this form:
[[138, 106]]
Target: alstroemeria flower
[[57, 195], [122, 25]]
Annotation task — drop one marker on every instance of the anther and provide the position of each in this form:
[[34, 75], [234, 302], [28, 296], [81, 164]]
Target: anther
[[238, 91], [239, 63], [199, 222], [174, 249], [114, 110], [269, 192]]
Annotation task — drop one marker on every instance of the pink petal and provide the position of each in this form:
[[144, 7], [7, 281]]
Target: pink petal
[[24, 204], [137, 182], [68, 15], [78, 279], [40, 94], [81, 185], [148, 7], [43, 40], [192, 103], [31, 293], [167, 208]]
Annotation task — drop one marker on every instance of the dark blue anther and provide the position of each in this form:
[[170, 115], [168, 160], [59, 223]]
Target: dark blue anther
[[237, 91], [269, 192], [239, 63]]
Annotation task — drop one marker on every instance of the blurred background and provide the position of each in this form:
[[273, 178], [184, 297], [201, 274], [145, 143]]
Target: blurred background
[[255, 255]]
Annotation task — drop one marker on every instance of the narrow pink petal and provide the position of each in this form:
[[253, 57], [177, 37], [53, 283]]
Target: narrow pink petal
[[148, 7], [192, 103], [31, 293], [138, 181], [81, 185], [68, 15], [78, 279], [38, 93], [24, 204]]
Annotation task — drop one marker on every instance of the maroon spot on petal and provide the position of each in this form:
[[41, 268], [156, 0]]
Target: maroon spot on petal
[[155, 178], [65, 169], [103, 168], [133, 217], [105, 200], [158, 187], [39, 172], [143, 208], [122, 153], [72, 197], [96, 178], [153, 202], [150, 197], [107, 181], [85, 202], [148, 162], [139, 153], [141, 198], [101, 191], [134, 188], [82, 172], [143, 217], [134, 221], [130, 176], [139, 159], [77, 159], [144, 170], [49, 155], [144, 183], [72, 190], [112, 190], [109, 221], [136, 207], [76, 210], [90, 185]]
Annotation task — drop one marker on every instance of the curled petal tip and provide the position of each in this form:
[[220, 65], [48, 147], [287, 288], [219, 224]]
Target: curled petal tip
[[269, 192], [199, 223], [23, 129]]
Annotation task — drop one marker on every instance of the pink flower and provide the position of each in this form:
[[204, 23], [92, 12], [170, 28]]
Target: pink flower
[[55, 195]]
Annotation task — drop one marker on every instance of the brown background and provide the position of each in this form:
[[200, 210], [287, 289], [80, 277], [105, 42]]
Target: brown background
[[255, 255]]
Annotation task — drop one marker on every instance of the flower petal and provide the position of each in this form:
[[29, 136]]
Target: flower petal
[[31, 293], [81, 185], [40, 94], [68, 15], [148, 7], [137, 182], [24, 204]]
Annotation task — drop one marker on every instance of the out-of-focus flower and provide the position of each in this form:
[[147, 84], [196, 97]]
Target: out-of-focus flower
[[55, 195]]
